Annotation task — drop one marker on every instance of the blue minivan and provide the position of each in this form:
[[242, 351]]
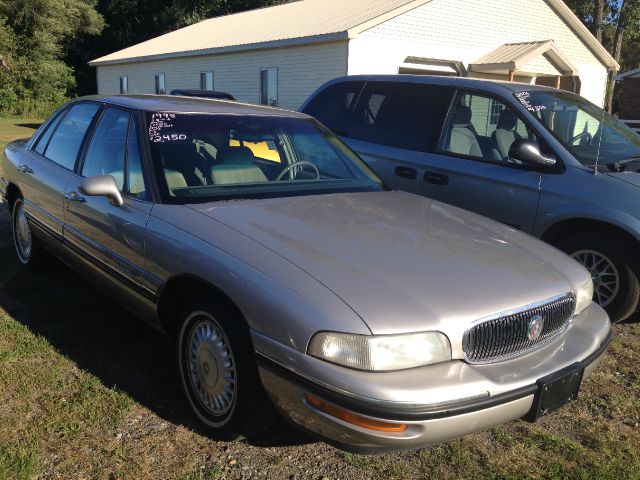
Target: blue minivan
[[541, 160]]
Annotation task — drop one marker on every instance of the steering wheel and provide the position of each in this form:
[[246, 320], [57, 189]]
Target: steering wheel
[[580, 135], [295, 164]]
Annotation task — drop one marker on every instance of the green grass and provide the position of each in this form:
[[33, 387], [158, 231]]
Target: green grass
[[16, 128], [86, 391]]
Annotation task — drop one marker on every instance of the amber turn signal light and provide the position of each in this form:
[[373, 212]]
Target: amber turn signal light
[[353, 418]]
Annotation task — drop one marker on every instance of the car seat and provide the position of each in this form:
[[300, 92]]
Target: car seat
[[505, 133], [237, 166], [463, 140]]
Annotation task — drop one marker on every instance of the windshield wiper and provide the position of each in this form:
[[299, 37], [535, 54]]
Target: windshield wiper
[[619, 165]]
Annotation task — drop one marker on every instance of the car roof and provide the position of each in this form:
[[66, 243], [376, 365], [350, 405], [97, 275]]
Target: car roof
[[173, 103], [461, 82], [198, 92]]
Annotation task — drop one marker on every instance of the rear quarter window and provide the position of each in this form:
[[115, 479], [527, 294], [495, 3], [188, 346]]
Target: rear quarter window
[[333, 106], [64, 146], [404, 115]]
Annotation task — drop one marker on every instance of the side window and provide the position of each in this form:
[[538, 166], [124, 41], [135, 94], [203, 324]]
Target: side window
[[484, 128], [135, 185], [404, 115], [65, 143], [46, 135], [333, 106], [105, 155]]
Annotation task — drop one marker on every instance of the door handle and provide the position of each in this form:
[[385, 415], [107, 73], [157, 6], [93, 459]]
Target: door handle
[[25, 169], [436, 178], [406, 172], [74, 197]]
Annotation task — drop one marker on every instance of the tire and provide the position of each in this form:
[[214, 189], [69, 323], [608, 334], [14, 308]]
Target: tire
[[29, 250], [609, 259], [218, 372]]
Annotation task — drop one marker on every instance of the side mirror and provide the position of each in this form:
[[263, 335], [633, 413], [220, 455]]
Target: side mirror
[[528, 151], [102, 186]]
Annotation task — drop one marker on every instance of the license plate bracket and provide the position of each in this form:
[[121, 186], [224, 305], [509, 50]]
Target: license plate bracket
[[556, 390]]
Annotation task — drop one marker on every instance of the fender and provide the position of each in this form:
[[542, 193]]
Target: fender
[[587, 212]]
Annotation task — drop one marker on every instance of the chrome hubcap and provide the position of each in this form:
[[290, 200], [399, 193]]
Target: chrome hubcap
[[606, 280], [211, 366], [23, 235]]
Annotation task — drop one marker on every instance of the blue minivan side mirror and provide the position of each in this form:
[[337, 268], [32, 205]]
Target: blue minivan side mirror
[[528, 152]]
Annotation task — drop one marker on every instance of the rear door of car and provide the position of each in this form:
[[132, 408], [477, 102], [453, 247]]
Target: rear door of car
[[472, 156], [110, 236], [47, 167]]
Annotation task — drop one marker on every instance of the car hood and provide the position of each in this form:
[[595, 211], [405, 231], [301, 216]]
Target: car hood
[[630, 177], [402, 262]]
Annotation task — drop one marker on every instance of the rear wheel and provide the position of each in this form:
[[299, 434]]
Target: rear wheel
[[612, 263], [218, 372], [28, 248]]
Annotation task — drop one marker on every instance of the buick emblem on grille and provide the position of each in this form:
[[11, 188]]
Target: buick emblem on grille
[[534, 328]]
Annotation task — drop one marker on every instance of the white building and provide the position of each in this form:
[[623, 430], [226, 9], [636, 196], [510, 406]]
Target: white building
[[280, 55]]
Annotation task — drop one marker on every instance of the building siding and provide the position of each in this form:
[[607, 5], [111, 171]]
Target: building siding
[[465, 30], [300, 71]]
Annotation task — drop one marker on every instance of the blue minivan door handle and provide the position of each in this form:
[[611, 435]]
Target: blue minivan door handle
[[436, 178], [406, 172]]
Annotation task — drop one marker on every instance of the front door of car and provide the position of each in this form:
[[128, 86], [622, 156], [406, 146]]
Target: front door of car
[[111, 236], [471, 167], [47, 168]]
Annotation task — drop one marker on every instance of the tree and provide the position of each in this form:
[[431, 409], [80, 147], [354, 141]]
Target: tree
[[133, 21], [34, 37], [616, 24]]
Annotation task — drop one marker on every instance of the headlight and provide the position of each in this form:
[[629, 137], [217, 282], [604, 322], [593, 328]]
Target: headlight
[[381, 352], [584, 296]]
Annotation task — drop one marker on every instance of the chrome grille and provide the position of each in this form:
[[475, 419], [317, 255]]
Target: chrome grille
[[505, 337]]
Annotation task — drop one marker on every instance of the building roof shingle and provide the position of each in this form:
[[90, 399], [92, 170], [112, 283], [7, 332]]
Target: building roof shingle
[[303, 19], [299, 22]]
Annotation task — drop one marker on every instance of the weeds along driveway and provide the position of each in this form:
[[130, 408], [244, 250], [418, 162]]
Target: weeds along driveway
[[88, 391]]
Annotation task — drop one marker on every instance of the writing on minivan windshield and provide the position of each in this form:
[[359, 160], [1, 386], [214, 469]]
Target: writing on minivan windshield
[[594, 137], [525, 99], [205, 156]]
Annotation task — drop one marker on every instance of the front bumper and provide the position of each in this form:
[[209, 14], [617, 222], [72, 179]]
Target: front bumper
[[511, 396]]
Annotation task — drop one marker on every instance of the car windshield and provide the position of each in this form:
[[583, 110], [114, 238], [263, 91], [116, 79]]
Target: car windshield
[[202, 157], [588, 132]]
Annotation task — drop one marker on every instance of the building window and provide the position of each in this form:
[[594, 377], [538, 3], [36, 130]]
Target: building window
[[124, 85], [206, 80], [160, 87], [269, 87], [496, 110]]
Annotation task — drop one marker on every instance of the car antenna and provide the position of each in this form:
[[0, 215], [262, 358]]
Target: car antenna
[[595, 170]]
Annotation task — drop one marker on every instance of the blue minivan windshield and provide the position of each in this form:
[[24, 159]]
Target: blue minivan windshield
[[593, 136], [203, 157]]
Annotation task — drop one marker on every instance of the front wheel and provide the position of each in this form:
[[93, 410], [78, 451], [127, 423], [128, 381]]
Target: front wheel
[[27, 246], [612, 263], [218, 372]]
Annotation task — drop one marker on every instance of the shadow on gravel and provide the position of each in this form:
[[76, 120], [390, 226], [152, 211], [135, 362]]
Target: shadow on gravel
[[104, 339]]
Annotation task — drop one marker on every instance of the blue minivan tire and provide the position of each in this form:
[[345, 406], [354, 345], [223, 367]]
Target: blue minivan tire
[[608, 247]]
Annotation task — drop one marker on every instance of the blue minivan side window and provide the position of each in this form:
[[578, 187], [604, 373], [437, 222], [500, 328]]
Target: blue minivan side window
[[404, 115], [484, 128], [65, 143]]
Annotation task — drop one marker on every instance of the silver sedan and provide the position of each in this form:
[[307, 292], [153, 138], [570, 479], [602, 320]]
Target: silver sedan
[[291, 277]]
